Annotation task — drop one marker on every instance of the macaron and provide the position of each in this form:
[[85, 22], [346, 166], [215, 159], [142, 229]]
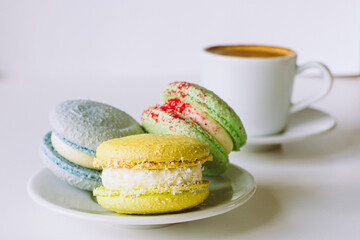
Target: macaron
[[69, 172], [151, 173], [194, 111], [77, 128]]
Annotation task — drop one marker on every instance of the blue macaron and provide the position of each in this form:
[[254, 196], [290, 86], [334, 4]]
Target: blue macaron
[[69, 172], [84, 124], [77, 128]]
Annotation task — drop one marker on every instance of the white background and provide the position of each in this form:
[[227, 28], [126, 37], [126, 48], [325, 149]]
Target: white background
[[60, 40]]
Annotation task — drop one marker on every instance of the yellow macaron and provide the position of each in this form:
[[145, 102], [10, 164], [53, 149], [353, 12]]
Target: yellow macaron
[[151, 173]]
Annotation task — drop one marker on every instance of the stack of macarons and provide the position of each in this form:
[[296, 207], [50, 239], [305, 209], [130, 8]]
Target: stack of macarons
[[151, 173], [194, 111], [77, 128]]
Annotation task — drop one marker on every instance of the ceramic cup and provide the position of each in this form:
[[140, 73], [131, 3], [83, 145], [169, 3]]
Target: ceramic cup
[[257, 82]]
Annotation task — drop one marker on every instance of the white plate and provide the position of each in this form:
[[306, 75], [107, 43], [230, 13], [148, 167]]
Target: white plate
[[306, 123], [227, 192]]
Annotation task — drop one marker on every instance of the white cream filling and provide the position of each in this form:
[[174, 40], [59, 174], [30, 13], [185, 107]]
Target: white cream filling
[[119, 178], [210, 126], [73, 155]]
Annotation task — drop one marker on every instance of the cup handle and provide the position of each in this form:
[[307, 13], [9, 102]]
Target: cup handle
[[327, 77]]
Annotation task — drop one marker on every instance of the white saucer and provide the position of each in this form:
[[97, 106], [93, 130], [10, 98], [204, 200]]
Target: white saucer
[[227, 192], [304, 124]]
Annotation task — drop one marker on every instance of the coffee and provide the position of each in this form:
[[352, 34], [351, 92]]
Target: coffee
[[251, 51]]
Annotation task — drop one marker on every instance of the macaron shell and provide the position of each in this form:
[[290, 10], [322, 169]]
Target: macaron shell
[[156, 120], [75, 175], [152, 148], [71, 179], [88, 123], [204, 121], [154, 203], [118, 163], [208, 102], [125, 192]]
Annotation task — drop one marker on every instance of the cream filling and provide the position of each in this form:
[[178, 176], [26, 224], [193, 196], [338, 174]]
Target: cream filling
[[128, 178], [210, 126], [73, 155]]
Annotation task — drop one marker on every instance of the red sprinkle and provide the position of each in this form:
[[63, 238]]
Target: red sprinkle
[[175, 115], [175, 104], [177, 93], [171, 111], [154, 116], [183, 85], [151, 114]]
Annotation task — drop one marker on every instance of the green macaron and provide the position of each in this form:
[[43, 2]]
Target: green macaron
[[196, 112], [211, 104]]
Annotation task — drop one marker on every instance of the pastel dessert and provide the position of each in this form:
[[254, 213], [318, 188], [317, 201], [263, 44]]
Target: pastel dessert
[[77, 128], [152, 173], [67, 171], [194, 111]]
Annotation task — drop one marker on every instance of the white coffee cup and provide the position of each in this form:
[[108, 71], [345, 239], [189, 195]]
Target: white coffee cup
[[257, 82]]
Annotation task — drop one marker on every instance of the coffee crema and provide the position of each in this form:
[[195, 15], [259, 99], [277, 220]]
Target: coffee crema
[[251, 51]]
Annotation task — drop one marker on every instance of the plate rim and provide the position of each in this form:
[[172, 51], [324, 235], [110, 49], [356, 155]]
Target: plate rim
[[146, 220]]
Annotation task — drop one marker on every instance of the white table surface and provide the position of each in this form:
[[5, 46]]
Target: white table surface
[[308, 190]]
